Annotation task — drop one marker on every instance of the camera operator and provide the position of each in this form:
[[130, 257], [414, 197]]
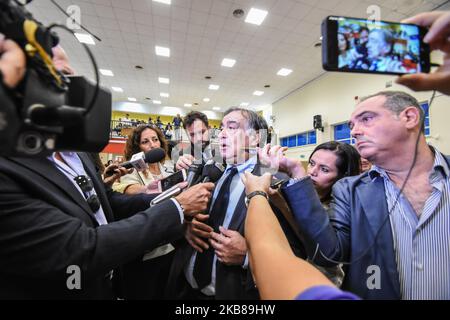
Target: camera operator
[[57, 217]]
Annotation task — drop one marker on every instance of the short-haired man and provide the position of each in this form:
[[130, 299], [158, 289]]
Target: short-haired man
[[219, 266], [197, 128], [391, 223]]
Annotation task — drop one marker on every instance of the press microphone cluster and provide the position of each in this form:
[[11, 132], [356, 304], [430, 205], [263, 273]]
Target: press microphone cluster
[[197, 173], [139, 160]]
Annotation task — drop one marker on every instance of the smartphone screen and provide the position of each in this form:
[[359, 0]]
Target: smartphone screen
[[366, 46], [173, 179]]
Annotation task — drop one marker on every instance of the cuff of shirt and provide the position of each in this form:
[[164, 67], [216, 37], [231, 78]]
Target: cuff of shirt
[[293, 181], [245, 264], [180, 210]]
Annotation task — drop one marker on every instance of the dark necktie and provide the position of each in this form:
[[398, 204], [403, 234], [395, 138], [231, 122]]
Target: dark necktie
[[204, 261]]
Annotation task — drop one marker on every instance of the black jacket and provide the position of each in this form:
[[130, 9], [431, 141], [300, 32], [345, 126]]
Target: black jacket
[[46, 226]]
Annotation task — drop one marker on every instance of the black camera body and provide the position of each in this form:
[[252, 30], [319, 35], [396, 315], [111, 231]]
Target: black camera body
[[48, 111]]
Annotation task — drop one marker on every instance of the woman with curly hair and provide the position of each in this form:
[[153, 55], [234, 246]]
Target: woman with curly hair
[[143, 139]]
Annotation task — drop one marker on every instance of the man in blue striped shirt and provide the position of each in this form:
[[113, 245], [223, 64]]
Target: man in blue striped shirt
[[396, 245]]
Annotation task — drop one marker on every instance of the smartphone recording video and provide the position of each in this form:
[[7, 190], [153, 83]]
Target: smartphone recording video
[[172, 180], [367, 46]]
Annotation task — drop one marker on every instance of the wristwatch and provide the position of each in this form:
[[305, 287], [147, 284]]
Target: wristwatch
[[255, 193]]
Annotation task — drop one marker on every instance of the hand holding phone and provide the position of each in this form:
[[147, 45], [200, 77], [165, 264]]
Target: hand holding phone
[[438, 38]]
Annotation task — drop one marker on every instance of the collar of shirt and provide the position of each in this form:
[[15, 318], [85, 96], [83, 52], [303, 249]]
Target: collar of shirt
[[248, 165], [440, 168], [72, 163]]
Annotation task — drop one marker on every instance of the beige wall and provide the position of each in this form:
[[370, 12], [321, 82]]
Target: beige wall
[[332, 96]]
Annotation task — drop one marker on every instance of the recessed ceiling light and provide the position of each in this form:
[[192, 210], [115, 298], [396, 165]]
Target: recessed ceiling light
[[85, 38], [117, 89], [256, 16], [284, 72], [164, 94], [162, 51], [156, 102], [132, 99], [214, 87], [238, 13], [206, 100], [163, 1], [164, 80], [188, 105], [245, 104], [106, 72], [258, 93], [228, 62], [216, 108]]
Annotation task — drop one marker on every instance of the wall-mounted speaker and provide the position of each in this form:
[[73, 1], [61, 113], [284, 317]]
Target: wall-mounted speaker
[[317, 122]]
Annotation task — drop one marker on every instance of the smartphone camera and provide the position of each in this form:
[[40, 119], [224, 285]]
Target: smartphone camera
[[367, 46]]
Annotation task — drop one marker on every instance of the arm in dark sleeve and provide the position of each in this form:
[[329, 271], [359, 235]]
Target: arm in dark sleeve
[[126, 205], [38, 239], [328, 232]]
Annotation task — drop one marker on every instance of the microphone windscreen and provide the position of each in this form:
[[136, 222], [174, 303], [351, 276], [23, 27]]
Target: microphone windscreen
[[154, 155]]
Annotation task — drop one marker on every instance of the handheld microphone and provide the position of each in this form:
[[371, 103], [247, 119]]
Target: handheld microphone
[[139, 160]]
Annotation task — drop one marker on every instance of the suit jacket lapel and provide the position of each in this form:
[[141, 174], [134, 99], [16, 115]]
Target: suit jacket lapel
[[373, 200], [48, 171]]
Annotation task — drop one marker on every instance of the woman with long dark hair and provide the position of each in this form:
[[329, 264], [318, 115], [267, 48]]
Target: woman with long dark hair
[[329, 162]]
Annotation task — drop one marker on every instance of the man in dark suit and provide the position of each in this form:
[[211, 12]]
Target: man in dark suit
[[48, 227], [218, 267]]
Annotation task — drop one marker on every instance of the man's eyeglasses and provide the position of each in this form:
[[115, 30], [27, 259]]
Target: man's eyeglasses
[[87, 186]]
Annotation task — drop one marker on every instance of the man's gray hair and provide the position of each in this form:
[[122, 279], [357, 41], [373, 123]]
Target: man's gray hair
[[254, 121], [388, 37], [397, 101]]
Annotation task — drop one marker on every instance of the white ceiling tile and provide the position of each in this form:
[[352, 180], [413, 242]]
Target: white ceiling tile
[[199, 18], [161, 22], [221, 8], [299, 11], [124, 4], [105, 11], [201, 6]]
